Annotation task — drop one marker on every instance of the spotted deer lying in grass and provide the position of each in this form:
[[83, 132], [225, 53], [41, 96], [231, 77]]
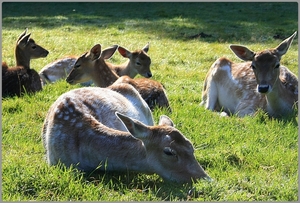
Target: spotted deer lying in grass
[[138, 63], [112, 129], [92, 65], [57, 70], [259, 83], [21, 78]]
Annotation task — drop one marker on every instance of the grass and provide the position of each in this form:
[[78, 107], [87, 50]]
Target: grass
[[250, 159]]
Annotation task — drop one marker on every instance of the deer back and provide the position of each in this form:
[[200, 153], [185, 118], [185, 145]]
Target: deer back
[[151, 91], [57, 70]]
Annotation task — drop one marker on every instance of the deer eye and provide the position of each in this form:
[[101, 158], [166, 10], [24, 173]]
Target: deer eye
[[33, 47], [77, 66], [277, 66], [253, 67], [170, 152], [138, 63]]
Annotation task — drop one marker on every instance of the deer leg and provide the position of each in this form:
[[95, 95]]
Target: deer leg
[[211, 97]]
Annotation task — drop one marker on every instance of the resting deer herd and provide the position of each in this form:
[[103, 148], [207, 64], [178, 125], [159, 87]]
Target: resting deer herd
[[110, 126]]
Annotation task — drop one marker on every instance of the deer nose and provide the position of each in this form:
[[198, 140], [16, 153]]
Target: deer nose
[[149, 75], [45, 53], [263, 88]]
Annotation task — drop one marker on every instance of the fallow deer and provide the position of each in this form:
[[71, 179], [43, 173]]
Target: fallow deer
[[138, 62], [59, 69], [92, 65], [21, 78], [259, 83], [111, 129]]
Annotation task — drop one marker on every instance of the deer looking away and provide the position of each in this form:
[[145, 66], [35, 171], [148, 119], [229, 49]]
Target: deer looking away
[[21, 78], [259, 83], [138, 63], [92, 66], [112, 129]]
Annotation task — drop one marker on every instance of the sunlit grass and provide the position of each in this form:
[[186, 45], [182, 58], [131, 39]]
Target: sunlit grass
[[250, 159]]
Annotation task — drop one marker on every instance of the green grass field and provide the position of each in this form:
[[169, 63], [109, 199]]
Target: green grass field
[[250, 159]]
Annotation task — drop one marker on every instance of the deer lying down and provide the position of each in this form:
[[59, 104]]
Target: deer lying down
[[138, 62], [112, 129], [58, 70], [259, 83], [21, 78], [151, 91], [92, 66]]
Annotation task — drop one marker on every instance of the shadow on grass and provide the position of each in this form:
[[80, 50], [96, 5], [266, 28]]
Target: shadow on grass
[[141, 183], [218, 21]]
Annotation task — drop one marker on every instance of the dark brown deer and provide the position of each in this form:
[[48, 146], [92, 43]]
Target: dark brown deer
[[21, 78]]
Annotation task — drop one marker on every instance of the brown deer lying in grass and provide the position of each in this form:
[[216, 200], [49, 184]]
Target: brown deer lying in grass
[[22, 79], [118, 136], [260, 83], [138, 62], [92, 65]]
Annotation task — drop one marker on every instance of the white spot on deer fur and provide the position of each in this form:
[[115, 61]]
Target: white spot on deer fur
[[167, 137], [243, 74]]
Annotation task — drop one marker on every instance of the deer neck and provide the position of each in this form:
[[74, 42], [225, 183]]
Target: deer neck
[[132, 154], [138, 159], [123, 69], [21, 58], [279, 100], [130, 70], [103, 76]]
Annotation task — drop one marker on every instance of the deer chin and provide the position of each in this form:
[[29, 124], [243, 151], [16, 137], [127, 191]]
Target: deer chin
[[70, 81], [45, 54]]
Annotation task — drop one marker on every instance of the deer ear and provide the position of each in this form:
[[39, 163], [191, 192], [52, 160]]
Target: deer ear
[[24, 40], [135, 127], [108, 52], [124, 52], [283, 47], [95, 52], [165, 120], [242, 52], [22, 35], [146, 48]]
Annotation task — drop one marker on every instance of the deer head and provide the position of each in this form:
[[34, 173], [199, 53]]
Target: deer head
[[265, 64]]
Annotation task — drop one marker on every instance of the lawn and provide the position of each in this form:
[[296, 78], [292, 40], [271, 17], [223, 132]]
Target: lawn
[[249, 159]]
